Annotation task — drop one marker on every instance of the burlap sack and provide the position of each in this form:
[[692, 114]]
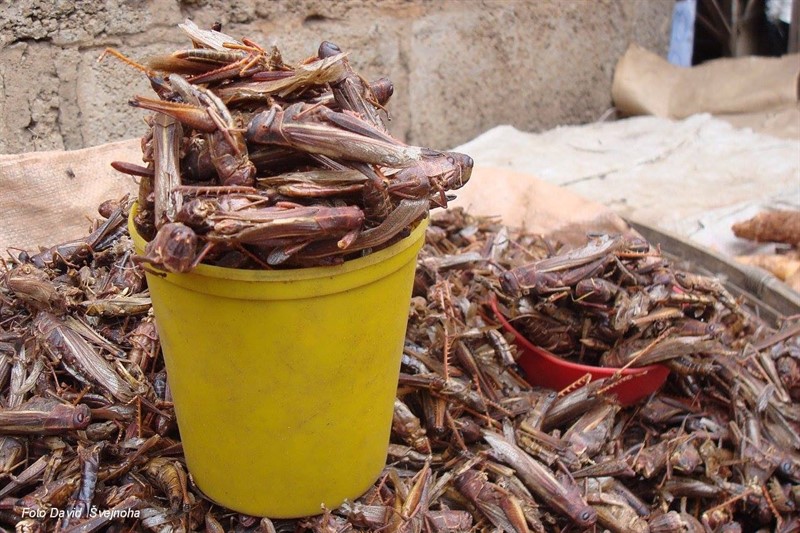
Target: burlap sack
[[757, 92], [523, 200], [47, 198], [50, 197]]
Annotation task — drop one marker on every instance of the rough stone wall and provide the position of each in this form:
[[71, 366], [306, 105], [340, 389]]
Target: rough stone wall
[[459, 66]]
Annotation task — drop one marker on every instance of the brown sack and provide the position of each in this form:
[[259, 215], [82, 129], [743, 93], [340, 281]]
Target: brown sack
[[645, 83], [766, 89], [47, 198], [523, 200], [50, 197]]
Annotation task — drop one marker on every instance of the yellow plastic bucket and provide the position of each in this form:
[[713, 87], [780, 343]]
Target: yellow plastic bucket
[[284, 381]]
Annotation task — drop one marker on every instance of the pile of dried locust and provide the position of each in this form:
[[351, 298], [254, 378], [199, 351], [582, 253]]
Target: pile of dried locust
[[88, 427], [256, 163]]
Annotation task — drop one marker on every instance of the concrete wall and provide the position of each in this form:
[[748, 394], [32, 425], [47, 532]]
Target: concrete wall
[[459, 66]]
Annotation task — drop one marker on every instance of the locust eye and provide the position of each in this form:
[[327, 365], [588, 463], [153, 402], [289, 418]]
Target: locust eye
[[587, 517], [81, 416], [328, 49]]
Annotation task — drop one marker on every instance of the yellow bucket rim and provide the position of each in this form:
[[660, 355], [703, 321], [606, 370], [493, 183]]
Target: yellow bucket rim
[[293, 274]]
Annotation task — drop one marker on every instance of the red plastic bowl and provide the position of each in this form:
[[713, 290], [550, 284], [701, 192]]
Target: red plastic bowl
[[544, 369]]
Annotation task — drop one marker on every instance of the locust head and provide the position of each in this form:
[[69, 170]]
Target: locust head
[[460, 170], [174, 248]]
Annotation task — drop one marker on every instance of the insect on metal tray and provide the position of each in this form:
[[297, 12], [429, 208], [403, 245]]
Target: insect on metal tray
[[768, 296]]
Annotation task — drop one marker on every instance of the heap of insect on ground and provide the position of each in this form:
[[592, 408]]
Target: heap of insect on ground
[[253, 162], [241, 172], [87, 425]]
